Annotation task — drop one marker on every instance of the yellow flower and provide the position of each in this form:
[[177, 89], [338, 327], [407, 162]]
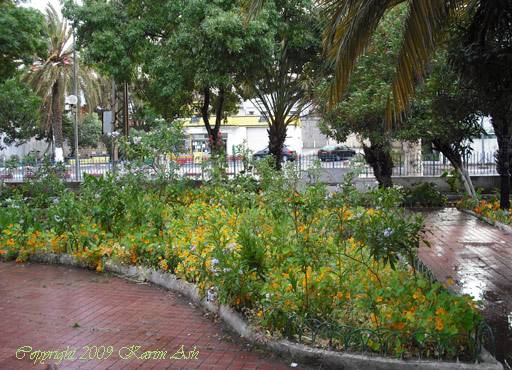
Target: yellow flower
[[373, 318], [347, 214], [99, 266], [260, 313], [10, 242], [378, 299], [163, 265]]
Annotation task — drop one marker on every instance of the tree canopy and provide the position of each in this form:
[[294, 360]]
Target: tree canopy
[[187, 55], [21, 37]]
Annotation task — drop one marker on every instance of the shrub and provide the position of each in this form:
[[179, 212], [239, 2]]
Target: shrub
[[424, 195]]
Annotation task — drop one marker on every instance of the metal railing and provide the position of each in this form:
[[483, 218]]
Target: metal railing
[[190, 167]]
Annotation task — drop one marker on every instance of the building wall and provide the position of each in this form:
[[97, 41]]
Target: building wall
[[22, 150], [254, 138]]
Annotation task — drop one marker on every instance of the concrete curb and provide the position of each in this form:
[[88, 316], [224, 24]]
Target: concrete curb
[[298, 352], [503, 227]]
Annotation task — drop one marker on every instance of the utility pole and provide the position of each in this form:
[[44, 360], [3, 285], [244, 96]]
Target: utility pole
[[125, 110]]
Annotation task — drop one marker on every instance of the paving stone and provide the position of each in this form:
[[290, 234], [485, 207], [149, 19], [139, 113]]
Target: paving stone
[[51, 307]]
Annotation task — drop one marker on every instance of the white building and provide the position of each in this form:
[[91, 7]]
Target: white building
[[247, 128]]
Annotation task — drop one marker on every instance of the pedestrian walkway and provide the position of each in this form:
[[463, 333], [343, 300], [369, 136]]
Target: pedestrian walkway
[[49, 307], [478, 257]]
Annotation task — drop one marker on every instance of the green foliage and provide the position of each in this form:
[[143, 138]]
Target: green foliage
[[157, 148], [19, 112], [443, 113], [21, 37], [453, 178], [362, 110], [424, 195], [89, 131], [182, 47]]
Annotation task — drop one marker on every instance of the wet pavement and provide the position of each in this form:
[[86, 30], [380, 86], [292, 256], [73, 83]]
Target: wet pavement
[[478, 257], [104, 319]]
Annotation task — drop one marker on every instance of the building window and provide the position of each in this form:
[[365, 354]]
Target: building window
[[199, 143]]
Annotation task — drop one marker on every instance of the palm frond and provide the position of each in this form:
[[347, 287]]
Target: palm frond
[[349, 27], [252, 7], [423, 29], [58, 67]]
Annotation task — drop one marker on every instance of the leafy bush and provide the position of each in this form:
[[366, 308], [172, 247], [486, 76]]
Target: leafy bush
[[424, 195]]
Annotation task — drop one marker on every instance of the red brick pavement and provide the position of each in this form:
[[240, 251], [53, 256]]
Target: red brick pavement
[[478, 257], [40, 304]]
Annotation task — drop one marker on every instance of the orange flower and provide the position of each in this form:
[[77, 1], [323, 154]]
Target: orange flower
[[439, 324], [440, 311], [398, 325]]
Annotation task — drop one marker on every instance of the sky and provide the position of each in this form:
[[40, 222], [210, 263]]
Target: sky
[[41, 4]]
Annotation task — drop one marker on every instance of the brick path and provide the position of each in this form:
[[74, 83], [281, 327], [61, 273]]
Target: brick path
[[478, 257], [40, 304]]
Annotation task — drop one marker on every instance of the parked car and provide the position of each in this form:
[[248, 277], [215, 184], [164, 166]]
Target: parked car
[[335, 153], [286, 155]]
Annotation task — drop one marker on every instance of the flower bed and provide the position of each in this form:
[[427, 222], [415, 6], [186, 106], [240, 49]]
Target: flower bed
[[488, 209], [316, 268]]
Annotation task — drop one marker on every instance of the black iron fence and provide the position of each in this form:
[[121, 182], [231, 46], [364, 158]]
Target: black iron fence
[[201, 168]]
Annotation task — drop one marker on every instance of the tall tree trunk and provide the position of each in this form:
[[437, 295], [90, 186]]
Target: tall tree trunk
[[57, 122], [214, 137], [502, 132], [276, 139], [378, 155]]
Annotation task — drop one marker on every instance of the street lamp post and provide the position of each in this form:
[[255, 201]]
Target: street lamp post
[[77, 106]]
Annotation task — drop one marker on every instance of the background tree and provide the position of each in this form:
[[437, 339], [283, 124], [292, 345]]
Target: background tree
[[52, 79], [362, 109], [281, 87], [186, 55], [21, 40], [19, 112], [481, 51], [89, 132], [443, 114], [21, 37]]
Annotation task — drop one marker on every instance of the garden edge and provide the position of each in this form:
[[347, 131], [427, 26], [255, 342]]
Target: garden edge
[[297, 352], [503, 227]]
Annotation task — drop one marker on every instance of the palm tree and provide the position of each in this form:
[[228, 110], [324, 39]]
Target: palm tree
[[52, 79]]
